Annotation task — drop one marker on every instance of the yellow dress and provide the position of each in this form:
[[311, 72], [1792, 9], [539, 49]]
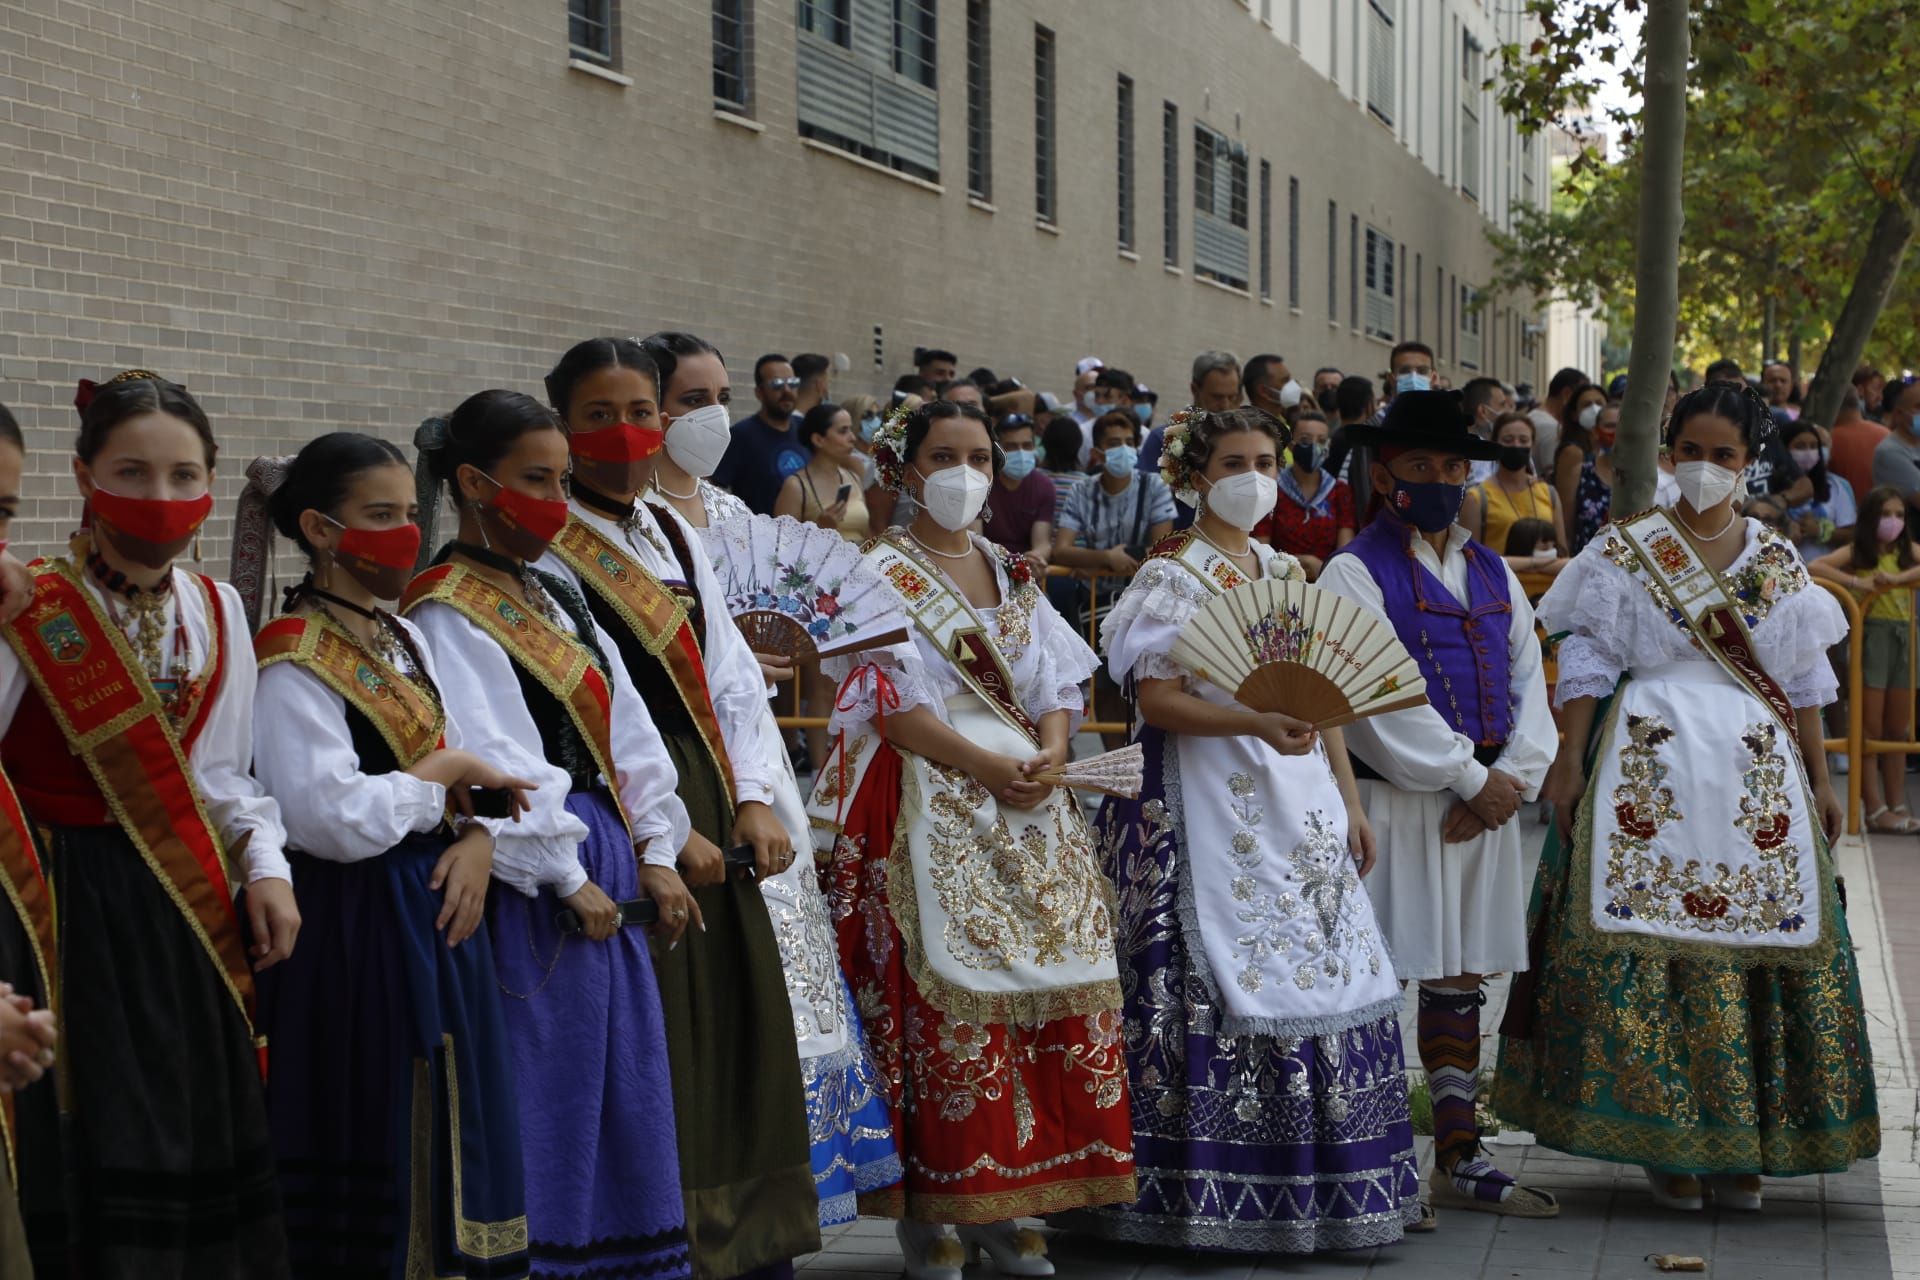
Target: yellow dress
[[1501, 509]]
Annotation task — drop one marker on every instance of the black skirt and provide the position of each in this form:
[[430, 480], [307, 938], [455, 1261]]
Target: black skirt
[[162, 1168]]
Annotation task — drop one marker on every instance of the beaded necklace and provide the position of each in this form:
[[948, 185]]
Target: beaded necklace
[[146, 608]]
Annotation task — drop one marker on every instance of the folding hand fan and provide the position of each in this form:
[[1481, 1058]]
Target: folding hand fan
[[1116, 773], [1292, 647], [800, 590]]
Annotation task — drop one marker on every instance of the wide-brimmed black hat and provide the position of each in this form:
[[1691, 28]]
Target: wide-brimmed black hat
[[1423, 420]]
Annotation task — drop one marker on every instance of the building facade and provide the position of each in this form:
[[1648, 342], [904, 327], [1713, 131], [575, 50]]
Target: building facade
[[326, 214]]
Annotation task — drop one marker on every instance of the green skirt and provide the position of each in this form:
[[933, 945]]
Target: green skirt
[[1691, 1061], [738, 1102]]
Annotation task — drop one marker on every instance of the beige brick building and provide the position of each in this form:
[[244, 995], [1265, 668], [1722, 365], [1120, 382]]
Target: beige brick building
[[352, 213]]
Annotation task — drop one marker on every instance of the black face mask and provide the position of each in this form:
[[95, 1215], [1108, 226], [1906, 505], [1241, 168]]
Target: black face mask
[[1514, 457], [1329, 401]]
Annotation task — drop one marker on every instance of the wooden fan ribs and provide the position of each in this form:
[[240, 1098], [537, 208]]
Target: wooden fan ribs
[[1298, 649]]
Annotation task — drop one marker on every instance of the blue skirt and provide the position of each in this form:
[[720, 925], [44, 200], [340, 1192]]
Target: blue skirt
[[848, 1125], [390, 1096], [596, 1098], [1253, 1143]]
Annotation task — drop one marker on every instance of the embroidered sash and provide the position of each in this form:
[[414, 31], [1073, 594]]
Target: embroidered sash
[[1698, 598], [1205, 561], [105, 707], [25, 889], [408, 716], [559, 662], [656, 618], [943, 615]]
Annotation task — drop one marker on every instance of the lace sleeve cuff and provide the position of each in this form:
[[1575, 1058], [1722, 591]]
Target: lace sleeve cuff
[[1585, 671]]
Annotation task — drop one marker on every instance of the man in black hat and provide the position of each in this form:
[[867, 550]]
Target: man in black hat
[[1442, 782]]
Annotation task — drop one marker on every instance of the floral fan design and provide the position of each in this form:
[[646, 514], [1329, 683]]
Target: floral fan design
[[1291, 647], [802, 591]]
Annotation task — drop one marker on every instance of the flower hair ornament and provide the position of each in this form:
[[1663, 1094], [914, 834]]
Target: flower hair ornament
[[890, 451], [1175, 469]]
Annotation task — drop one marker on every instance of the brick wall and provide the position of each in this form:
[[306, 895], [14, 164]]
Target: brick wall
[[352, 213]]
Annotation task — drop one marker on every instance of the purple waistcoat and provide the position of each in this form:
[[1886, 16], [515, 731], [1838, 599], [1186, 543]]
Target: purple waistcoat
[[1462, 651]]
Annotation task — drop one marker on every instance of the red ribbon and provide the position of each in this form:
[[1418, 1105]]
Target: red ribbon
[[885, 698]]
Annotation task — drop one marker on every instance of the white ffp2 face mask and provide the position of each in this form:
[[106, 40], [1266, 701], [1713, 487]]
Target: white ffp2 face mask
[[954, 496], [1243, 500], [1705, 485], [698, 439]]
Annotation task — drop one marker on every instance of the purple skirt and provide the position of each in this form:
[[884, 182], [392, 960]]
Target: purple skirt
[[596, 1099], [1249, 1144]]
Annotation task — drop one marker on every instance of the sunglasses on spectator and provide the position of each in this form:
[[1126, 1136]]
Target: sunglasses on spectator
[[784, 384], [1013, 420]]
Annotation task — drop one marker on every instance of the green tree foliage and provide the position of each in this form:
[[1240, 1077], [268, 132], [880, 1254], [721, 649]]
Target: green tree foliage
[[1802, 116]]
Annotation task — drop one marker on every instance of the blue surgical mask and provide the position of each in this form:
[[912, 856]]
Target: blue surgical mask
[[1018, 464], [1427, 507], [1121, 459], [870, 426], [1143, 414], [1413, 382]]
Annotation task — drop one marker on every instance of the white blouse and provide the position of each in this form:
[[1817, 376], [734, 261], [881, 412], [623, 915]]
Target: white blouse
[[1044, 654], [1615, 626], [480, 687], [303, 755], [734, 682], [1140, 629], [222, 756], [1417, 750]]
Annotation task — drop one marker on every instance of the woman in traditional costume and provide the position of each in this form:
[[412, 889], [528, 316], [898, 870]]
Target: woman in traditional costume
[[161, 1163], [1695, 1004], [391, 1098], [1262, 1018], [754, 983], [525, 673], [27, 1034], [973, 920]]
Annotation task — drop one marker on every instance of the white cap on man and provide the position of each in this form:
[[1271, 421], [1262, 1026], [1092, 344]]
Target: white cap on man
[[1088, 364]]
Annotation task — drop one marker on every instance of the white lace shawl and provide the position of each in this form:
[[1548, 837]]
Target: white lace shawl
[[1615, 626], [1163, 597]]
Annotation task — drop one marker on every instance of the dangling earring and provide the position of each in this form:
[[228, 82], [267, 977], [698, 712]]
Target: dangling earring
[[481, 520], [326, 569], [196, 552]]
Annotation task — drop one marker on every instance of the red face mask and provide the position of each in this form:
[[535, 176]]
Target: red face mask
[[527, 523], [621, 442], [381, 560], [149, 531]]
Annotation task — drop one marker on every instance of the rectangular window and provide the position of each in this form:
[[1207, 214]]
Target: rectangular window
[[1402, 292], [1123, 132], [1380, 58], [1293, 25], [1266, 230], [1453, 328], [1353, 271], [1333, 260], [1046, 178], [732, 61], [866, 81], [1293, 242], [913, 25], [831, 20], [1526, 170], [1220, 207], [1419, 279], [1170, 183], [1470, 317], [1381, 286], [979, 102], [590, 29], [1469, 161]]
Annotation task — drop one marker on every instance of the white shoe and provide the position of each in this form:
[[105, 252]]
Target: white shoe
[[1729, 1194], [1671, 1190], [928, 1251], [1015, 1250]]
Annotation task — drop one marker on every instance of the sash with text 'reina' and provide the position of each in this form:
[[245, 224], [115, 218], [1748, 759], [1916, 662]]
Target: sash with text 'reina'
[[559, 662], [657, 618], [407, 715], [112, 719]]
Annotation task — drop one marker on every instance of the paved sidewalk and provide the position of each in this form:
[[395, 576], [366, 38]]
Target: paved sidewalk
[[1861, 1225]]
